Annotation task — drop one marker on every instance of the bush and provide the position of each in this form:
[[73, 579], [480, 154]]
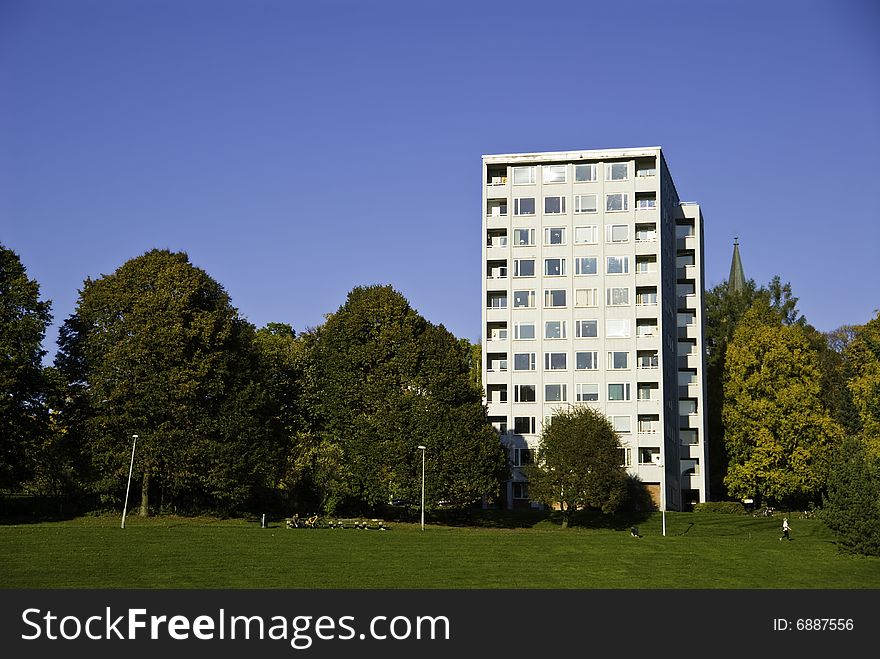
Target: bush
[[727, 507]]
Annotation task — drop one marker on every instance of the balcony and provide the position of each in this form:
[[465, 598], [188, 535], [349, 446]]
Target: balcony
[[496, 240], [686, 243], [687, 332], [496, 209], [496, 177], [496, 269]]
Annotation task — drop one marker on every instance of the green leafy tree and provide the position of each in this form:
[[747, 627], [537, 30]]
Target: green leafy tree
[[383, 381], [779, 438], [578, 463], [23, 411], [863, 357], [156, 349], [837, 373], [851, 507]]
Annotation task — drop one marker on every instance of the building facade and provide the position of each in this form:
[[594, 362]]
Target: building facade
[[593, 294]]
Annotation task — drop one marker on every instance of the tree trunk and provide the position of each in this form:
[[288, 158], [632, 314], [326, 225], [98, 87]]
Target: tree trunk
[[145, 496], [565, 512]]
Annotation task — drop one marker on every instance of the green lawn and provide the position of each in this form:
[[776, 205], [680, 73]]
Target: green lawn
[[701, 550]]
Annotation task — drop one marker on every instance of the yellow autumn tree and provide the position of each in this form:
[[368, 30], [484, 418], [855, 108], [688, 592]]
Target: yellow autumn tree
[[778, 435]]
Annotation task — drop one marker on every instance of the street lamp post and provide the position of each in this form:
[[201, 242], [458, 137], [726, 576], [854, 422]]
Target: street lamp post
[[658, 460], [422, 449], [134, 439]]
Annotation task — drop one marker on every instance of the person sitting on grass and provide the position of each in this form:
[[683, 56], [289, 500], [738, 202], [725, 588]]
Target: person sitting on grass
[[634, 532]]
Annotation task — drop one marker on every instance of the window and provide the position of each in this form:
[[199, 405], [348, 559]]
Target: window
[[523, 237], [523, 267], [554, 267], [617, 328], [496, 300], [554, 329], [647, 453], [622, 424], [524, 331], [614, 203], [618, 391], [625, 456], [523, 175], [523, 299], [524, 393], [617, 297], [687, 406], [554, 173], [616, 233], [586, 361], [521, 457], [554, 205], [617, 265], [618, 360], [555, 361], [585, 173], [688, 437], [588, 235], [524, 361], [586, 329], [586, 297], [554, 236], [524, 206], [585, 265], [555, 393], [687, 378], [520, 490], [587, 392], [554, 298], [646, 203], [616, 171], [524, 425], [586, 203]]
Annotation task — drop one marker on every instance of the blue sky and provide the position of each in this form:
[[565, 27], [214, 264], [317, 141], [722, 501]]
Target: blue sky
[[297, 149]]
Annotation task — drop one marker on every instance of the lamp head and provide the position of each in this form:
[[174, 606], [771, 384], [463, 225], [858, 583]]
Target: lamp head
[[421, 447]]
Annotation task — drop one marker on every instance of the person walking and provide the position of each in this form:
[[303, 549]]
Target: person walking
[[786, 529]]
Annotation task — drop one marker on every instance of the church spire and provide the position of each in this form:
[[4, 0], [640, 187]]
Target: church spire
[[736, 282]]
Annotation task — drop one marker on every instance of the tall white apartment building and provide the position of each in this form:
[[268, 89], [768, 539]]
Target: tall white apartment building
[[593, 294]]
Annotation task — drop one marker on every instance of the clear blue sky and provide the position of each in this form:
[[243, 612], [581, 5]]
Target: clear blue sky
[[297, 149]]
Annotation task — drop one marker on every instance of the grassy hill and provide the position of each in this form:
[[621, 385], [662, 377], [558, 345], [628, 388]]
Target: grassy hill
[[700, 550]]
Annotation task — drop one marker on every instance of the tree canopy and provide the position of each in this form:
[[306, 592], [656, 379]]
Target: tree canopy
[[156, 349], [383, 381], [851, 507], [863, 357], [779, 438], [23, 413], [578, 463]]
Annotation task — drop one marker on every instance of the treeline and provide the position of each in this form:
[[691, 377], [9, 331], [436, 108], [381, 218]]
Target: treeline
[[794, 413], [230, 418]]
